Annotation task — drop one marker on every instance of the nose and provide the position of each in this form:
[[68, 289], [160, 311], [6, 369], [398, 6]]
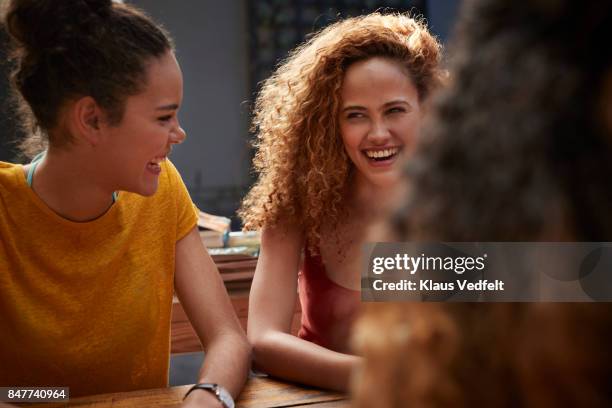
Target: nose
[[379, 133], [177, 135]]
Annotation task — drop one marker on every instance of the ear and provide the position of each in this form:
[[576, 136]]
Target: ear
[[85, 120]]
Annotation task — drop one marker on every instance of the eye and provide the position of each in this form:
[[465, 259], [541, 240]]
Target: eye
[[165, 118], [397, 109], [355, 115]]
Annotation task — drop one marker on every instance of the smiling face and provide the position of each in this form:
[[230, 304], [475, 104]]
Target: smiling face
[[380, 116], [133, 149]]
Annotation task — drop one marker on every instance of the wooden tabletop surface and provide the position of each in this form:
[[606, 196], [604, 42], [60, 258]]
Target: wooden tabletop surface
[[258, 393]]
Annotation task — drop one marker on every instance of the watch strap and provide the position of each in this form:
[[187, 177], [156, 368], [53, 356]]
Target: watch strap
[[218, 391]]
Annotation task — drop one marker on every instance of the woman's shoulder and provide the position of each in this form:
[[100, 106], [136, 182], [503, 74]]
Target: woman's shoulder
[[283, 229], [10, 173], [282, 239], [4, 166], [169, 171]]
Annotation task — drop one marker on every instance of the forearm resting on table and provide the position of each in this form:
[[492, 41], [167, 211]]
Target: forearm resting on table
[[286, 356], [224, 357], [204, 299]]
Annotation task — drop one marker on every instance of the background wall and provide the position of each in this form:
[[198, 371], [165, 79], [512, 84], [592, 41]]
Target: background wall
[[212, 47], [441, 15], [211, 44]]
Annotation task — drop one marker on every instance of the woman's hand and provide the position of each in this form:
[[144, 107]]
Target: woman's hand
[[201, 399]]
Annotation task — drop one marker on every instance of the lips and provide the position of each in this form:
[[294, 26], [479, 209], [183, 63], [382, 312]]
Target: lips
[[154, 165], [382, 156], [158, 160]]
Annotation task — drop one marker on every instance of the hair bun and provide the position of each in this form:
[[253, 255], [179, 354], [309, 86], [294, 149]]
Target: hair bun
[[43, 24], [100, 7]]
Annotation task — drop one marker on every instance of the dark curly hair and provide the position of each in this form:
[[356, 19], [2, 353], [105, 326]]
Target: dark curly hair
[[502, 355], [519, 149], [518, 142], [71, 48]]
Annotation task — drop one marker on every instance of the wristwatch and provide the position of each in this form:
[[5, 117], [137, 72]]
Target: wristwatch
[[221, 393]]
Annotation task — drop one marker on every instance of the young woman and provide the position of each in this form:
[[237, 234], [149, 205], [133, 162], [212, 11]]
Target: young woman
[[99, 231], [334, 122]]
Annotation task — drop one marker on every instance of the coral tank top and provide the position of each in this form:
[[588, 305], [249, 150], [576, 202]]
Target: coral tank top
[[328, 309]]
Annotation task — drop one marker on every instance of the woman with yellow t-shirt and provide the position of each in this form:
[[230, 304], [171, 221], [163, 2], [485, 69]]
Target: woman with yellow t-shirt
[[99, 230]]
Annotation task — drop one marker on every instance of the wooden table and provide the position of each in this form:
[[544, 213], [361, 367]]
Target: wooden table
[[258, 393]]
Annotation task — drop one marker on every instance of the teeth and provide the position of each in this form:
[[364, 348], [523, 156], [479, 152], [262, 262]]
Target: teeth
[[377, 154], [157, 160]]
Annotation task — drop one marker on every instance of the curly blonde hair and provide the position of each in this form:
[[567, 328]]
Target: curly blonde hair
[[303, 169]]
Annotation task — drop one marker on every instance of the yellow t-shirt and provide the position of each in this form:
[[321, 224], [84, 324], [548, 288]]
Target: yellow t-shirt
[[87, 305]]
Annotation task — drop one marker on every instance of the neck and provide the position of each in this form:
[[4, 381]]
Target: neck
[[70, 185], [372, 205], [373, 200]]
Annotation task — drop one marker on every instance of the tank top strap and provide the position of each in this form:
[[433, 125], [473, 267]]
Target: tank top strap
[[32, 169]]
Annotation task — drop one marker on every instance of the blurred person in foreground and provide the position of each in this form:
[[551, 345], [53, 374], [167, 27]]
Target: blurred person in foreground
[[519, 149]]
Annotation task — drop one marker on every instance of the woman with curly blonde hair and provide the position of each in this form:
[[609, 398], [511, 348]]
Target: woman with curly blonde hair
[[333, 124]]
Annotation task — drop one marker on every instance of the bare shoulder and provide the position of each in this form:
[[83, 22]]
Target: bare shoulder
[[282, 235]]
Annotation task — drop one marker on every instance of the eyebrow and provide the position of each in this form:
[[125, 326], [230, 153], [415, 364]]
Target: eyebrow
[[397, 101], [387, 104], [353, 107], [172, 106]]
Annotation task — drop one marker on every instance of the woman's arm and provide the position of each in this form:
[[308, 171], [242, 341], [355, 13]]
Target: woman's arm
[[204, 298], [271, 307]]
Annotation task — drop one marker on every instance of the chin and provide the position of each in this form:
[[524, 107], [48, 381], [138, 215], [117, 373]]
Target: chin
[[149, 191], [146, 190], [386, 181]]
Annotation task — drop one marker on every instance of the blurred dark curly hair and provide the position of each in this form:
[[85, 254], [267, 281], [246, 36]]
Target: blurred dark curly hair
[[519, 149], [518, 144]]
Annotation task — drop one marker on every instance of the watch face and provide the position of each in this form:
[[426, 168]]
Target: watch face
[[225, 397]]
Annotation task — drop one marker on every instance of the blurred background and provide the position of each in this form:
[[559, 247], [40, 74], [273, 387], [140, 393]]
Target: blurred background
[[225, 48]]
